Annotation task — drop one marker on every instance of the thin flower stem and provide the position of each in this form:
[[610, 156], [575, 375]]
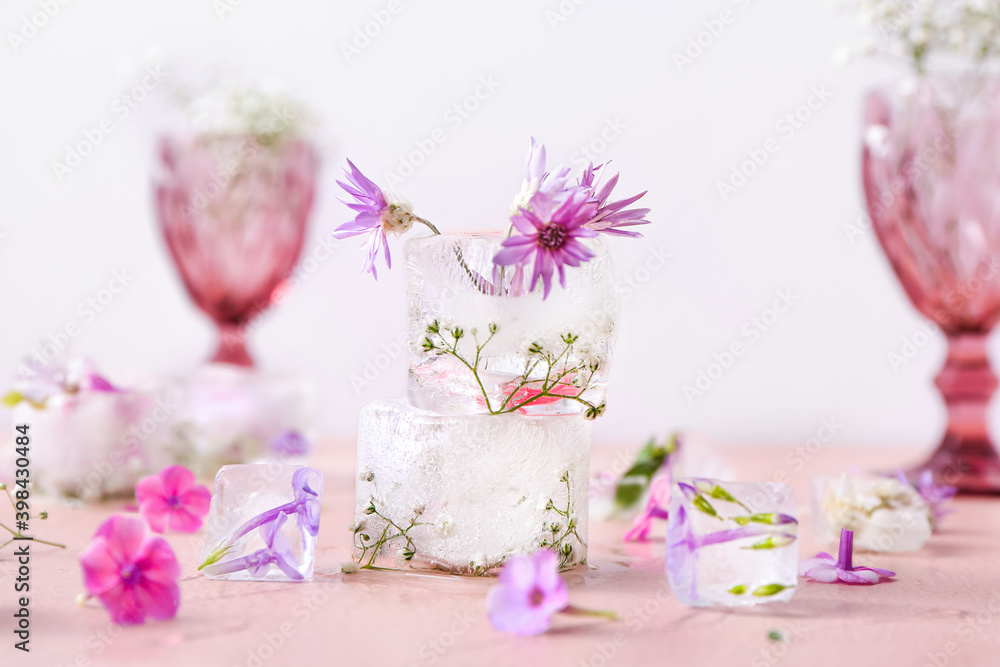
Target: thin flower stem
[[4, 526], [599, 613], [429, 224], [51, 544]]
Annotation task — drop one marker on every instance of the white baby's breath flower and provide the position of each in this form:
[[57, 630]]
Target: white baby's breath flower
[[444, 525], [349, 568]]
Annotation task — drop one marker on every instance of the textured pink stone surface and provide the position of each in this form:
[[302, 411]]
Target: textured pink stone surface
[[946, 599]]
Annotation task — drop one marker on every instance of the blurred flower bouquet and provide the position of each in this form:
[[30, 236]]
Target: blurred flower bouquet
[[927, 32]]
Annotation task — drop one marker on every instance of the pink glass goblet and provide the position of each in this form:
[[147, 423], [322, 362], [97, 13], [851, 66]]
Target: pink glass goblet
[[233, 210], [931, 170]]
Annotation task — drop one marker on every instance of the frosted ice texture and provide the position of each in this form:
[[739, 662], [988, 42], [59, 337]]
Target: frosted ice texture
[[250, 494], [731, 552], [475, 488], [452, 281]]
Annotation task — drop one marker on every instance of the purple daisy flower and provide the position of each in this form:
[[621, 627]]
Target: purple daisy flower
[[935, 496], [536, 179], [550, 231], [826, 569], [611, 217], [376, 216]]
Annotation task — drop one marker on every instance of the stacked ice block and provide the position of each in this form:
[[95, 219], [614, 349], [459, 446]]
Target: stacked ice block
[[490, 455]]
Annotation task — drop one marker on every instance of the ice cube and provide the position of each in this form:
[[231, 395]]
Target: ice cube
[[884, 513], [731, 543], [528, 353], [263, 523], [229, 415], [461, 494], [93, 444]]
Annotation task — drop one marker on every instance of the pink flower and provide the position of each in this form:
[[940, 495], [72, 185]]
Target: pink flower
[[611, 217], [656, 508], [826, 569], [133, 574], [550, 231], [172, 500], [529, 592], [529, 393]]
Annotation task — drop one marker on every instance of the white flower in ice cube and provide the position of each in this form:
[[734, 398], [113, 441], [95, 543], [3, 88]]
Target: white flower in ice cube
[[444, 525]]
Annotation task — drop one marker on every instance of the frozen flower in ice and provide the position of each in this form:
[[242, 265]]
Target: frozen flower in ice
[[612, 217], [277, 551], [290, 444], [826, 569], [132, 573], [73, 377], [444, 525], [551, 233], [377, 214], [172, 500]]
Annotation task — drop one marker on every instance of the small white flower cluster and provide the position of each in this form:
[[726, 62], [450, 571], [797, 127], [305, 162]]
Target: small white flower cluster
[[884, 513], [238, 107], [964, 31]]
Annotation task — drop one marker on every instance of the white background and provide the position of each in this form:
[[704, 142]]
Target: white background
[[559, 81]]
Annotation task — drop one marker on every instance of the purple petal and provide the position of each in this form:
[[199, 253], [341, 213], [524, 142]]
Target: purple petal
[[515, 255]]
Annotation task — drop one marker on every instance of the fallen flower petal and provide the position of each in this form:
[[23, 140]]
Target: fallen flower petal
[[528, 593], [826, 569]]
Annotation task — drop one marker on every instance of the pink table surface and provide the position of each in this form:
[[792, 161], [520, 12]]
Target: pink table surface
[[944, 608]]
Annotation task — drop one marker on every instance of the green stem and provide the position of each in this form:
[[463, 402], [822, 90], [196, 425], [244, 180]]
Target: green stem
[[580, 611], [51, 544], [429, 224]]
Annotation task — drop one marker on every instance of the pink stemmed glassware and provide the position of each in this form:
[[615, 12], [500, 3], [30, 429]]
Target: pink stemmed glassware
[[233, 210], [931, 170]]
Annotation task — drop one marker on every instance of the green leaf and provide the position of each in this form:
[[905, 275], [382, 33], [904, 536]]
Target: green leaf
[[628, 494], [769, 589], [768, 518], [217, 554], [738, 590], [773, 542], [636, 479], [705, 506]]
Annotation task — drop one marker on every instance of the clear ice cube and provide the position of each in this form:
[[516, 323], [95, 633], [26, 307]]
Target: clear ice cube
[[263, 523], [461, 494], [529, 353], [885, 514], [731, 543]]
